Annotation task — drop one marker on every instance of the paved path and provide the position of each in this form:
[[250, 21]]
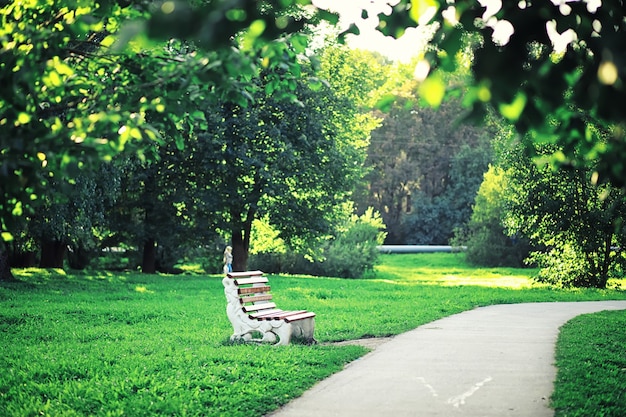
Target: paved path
[[490, 361]]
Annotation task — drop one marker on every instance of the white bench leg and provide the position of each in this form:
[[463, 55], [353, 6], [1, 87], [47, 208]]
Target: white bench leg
[[304, 329], [284, 333]]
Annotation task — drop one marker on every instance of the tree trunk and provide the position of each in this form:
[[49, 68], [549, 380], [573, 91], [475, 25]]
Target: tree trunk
[[148, 263], [78, 257], [606, 262], [23, 259], [240, 253], [5, 268], [52, 254], [241, 230]]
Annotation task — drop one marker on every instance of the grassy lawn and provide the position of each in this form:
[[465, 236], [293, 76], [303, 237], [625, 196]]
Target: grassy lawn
[[591, 362], [143, 345]]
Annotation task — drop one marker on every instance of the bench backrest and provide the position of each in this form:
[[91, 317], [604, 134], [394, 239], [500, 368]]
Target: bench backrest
[[253, 291]]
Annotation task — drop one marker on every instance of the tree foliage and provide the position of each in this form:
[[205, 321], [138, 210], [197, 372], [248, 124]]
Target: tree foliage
[[286, 163], [86, 81], [433, 219], [548, 90], [486, 237], [578, 225], [424, 169], [83, 81], [62, 102], [73, 216]]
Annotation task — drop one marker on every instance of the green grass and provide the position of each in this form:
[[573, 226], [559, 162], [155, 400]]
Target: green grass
[[591, 362], [144, 345]]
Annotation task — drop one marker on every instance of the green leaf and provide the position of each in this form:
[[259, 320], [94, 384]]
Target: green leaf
[[108, 41], [514, 110], [135, 133], [17, 210], [332, 18], [61, 67], [421, 8], [385, 102], [23, 118], [315, 84], [180, 142], [353, 29], [257, 28], [432, 90], [198, 116], [54, 80]]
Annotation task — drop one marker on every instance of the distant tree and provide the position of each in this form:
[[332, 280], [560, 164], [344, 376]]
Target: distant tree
[[486, 237], [362, 76], [146, 214], [285, 163], [412, 159], [165, 204], [393, 167], [561, 68], [70, 215], [433, 219], [579, 224]]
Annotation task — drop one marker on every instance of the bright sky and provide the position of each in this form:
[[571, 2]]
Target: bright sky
[[414, 40], [404, 48]]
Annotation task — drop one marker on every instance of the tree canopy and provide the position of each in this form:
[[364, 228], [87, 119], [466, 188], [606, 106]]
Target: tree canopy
[[577, 227], [165, 91], [84, 81], [549, 67]]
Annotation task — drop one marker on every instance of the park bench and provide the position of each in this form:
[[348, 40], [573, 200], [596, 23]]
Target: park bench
[[255, 317]]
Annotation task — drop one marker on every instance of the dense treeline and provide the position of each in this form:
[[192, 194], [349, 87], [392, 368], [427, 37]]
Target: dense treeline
[[424, 169], [148, 129], [197, 160]]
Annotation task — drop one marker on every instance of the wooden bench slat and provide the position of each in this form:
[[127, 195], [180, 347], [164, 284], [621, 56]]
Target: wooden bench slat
[[269, 316], [255, 298], [257, 307], [253, 290], [306, 315], [243, 274], [263, 313], [283, 314], [248, 281]]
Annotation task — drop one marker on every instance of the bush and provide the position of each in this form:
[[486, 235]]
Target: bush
[[349, 255], [284, 262], [116, 259], [486, 248], [485, 236], [355, 251], [566, 266]]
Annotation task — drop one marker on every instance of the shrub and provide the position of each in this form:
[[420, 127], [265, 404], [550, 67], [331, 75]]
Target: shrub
[[577, 218], [486, 248], [566, 266], [355, 251], [349, 255], [485, 236]]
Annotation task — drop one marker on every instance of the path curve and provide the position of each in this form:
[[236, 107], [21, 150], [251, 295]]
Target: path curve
[[491, 361]]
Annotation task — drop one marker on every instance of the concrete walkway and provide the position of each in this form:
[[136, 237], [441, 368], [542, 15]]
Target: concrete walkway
[[490, 361]]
